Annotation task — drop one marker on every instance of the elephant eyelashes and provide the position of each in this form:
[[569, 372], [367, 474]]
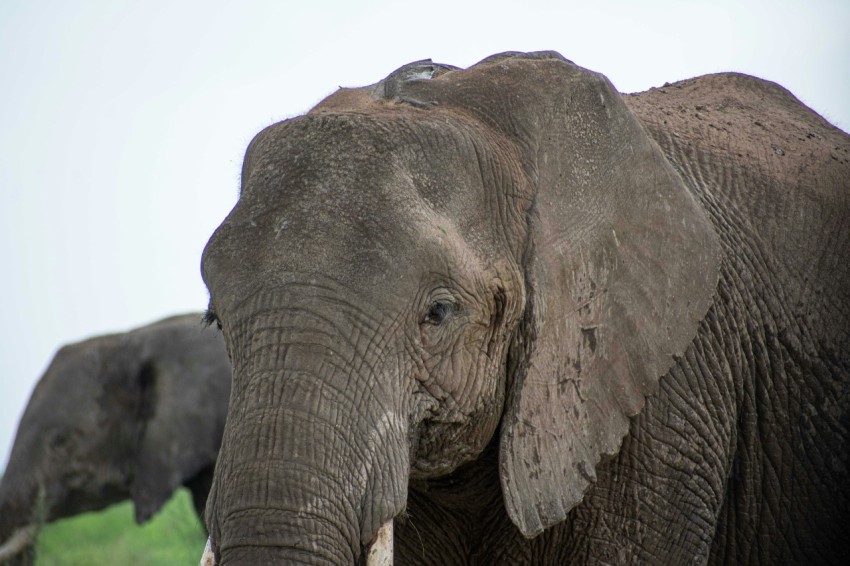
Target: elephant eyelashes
[[210, 317], [438, 312]]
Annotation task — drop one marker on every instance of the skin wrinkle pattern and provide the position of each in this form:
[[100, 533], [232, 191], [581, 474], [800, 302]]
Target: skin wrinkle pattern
[[511, 316]]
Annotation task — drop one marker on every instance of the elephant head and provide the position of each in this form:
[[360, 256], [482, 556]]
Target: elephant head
[[418, 267], [126, 415]]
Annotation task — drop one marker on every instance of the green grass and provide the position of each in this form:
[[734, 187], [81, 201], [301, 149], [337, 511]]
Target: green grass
[[111, 536]]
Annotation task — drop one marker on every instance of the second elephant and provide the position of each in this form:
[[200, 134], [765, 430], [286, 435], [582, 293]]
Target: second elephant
[[133, 415]]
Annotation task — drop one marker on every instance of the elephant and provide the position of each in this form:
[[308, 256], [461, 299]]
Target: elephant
[[129, 415], [526, 319]]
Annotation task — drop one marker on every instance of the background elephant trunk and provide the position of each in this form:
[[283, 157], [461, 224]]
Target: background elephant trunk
[[22, 511], [302, 478], [19, 548]]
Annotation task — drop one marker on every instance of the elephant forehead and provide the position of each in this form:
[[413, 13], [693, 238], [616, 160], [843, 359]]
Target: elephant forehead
[[349, 197], [381, 163], [68, 391]]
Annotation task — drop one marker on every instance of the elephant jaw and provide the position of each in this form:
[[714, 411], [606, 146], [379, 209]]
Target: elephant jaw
[[20, 539], [380, 552]]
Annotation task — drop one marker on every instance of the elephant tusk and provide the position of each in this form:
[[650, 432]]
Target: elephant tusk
[[19, 540], [381, 548], [208, 558]]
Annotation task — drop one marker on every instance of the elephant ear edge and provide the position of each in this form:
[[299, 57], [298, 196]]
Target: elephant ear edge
[[621, 266]]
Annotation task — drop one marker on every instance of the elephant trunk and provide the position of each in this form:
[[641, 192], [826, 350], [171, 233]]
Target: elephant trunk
[[379, 553], [22, 511], [315, 453], [18, 548]]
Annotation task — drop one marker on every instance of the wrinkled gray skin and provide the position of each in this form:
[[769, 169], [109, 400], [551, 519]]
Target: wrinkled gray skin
[[537, 322], [133, 415]]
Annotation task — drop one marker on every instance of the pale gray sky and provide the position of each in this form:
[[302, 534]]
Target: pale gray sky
[[123, 123]]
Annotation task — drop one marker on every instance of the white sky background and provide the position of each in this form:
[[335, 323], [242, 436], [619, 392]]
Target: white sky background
[[123, 124]]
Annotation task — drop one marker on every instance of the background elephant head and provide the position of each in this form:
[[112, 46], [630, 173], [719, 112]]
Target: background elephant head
[[132, 415], [447, 297]]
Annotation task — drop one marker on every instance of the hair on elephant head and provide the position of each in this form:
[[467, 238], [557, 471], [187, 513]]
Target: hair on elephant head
[[133, 415], [452, 297]]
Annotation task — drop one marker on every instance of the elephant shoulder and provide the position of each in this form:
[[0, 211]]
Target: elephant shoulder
[[774, 169], [752, 145], [755, 123]]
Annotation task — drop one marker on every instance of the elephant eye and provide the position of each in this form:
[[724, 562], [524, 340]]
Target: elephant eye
[[438, 312], [210, 317], [60, 440]]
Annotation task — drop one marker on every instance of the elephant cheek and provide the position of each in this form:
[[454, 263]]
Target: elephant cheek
[[460, 430]]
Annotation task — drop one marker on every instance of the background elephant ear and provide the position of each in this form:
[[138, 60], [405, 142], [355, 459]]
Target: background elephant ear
[[185, 375], [621, 265]]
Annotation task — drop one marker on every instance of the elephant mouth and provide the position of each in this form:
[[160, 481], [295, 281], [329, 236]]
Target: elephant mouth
[[441, 443], [80, 500]]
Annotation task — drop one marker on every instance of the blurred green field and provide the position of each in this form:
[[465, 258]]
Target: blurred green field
[[111, 536]]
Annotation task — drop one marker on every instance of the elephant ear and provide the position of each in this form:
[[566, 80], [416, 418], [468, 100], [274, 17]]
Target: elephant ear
[[184, 375], [621, 265]]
